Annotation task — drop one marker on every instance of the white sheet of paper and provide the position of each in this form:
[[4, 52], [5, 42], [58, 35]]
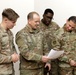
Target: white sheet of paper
[[53, 54]]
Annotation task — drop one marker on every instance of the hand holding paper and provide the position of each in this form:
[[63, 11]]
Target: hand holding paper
[[53, 54]]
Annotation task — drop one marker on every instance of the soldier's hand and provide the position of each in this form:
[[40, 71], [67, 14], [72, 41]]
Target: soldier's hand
[[72, 63], [15, 57], [48, 65], [45, 58]]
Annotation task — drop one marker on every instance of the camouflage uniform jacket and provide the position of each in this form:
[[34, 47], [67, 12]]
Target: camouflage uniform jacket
[[31, 45], [6, 49], [65, 41], [49, 31]]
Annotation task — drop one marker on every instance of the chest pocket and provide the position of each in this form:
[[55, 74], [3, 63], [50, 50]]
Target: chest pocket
[[34, 42]]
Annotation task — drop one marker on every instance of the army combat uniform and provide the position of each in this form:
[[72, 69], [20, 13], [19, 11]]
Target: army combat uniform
[[49, 33], [66, 41], [31, 45], [7, 48]]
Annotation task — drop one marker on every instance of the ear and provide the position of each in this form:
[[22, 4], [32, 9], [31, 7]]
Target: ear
[[5, 19], [29, 21]]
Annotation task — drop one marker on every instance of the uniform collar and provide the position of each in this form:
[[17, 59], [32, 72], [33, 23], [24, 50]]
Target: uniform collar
[[4, 30]]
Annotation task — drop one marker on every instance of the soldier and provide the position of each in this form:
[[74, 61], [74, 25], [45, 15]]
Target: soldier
[[66, 40], [7, 49], [49, 28], [32, 46]]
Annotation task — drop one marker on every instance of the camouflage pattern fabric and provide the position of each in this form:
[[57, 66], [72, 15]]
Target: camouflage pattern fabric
[[65, 41], [6, 49], [32, 72], [32, 46], [49, 33]]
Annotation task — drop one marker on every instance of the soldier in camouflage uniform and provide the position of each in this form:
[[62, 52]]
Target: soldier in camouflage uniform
[[66, 40], [32, 46], [7, 48], [49, 27]]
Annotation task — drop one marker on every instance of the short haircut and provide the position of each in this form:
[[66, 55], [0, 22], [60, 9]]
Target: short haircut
[[10, 14], [72, 18], [49, 11], [30, 15]]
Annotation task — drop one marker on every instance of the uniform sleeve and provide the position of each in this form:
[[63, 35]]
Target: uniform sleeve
[[57, 45], [46, 48], [24, 49], [45, 45], [4, 58], [56, 26]]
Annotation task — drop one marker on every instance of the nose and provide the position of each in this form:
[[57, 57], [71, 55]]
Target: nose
[[70, 27], [14, 24], [38, 23]]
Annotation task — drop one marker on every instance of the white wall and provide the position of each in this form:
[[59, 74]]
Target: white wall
[[63, 9], [22, 7]]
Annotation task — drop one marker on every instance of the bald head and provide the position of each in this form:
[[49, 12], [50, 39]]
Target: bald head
[[31, 15]]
